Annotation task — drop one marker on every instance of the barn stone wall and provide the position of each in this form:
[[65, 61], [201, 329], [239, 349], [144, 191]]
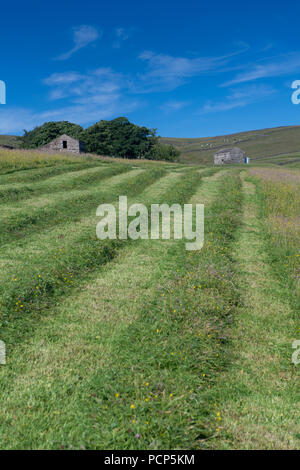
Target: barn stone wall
[[225, 156], [57, 145]]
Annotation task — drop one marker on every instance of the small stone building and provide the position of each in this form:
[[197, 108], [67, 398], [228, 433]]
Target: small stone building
[[65, 144], [229, 155]]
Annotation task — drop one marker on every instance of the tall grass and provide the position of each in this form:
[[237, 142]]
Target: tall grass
[[12, 160], [280, 208]]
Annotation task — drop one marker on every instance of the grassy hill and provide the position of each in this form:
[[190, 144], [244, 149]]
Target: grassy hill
[[276, 145]]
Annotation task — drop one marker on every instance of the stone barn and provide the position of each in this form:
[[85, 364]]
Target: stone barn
[[229, 155], [65, 144]]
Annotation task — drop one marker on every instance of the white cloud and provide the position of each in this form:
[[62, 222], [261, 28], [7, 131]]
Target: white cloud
[[121, 35], [103, 93], [82, 36], [99, 94], [239, 98], [165, 72], [63, 78], [283, 65], [171, 106], [90, 87], [15, 120], [89, 113]]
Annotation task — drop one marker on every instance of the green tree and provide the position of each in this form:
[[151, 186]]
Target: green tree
[[42, 135], [119, 138]]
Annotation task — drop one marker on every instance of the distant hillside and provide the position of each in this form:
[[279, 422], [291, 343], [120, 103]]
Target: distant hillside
[[10, 140], [276, 145]]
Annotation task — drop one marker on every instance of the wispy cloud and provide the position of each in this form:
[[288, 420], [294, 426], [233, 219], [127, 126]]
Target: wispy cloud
[[239, 98], [282, 65], [121, 35], [62, 83], [89, 87], [97, 94], [172, 106], [82, 36], [15, 120], [87, 98], [165, 72]]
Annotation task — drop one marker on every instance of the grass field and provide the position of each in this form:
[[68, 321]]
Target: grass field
[[122, 344]]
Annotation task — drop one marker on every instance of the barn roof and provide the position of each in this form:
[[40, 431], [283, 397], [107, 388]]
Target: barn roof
[[65, 136], [232, 150]]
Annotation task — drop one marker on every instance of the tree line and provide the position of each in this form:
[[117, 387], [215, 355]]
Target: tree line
[[117, 138]]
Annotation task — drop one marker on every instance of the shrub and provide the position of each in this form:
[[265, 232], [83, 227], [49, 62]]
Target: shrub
[[161, 151]]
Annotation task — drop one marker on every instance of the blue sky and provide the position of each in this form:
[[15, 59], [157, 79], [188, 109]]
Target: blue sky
[[187, 68]]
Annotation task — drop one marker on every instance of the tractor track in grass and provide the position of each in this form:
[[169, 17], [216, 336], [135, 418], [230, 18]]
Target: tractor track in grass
[[256, 397]]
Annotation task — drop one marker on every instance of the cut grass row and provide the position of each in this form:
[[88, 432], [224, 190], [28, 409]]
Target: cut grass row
[[257, 394], [149, 346], [65, 180], [35, 276], [128, 361], [153, 391], [42, 173], [62, 183], [64, 423], [44, 211]]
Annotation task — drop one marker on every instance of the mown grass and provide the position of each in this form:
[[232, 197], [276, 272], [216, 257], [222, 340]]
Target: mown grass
[[257, 393], [41, 173], [131, 345], [41, 290], [45, 272], [77, 179], [45, 211], [33, 278], [154, 393]]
